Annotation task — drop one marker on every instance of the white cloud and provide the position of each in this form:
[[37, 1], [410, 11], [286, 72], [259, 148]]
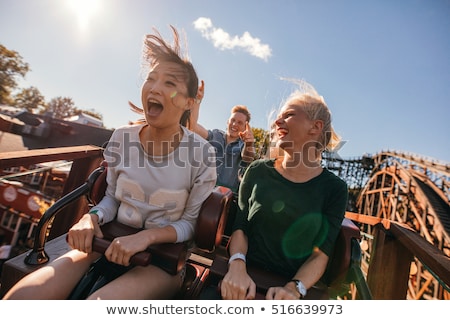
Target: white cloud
[[224, 41]]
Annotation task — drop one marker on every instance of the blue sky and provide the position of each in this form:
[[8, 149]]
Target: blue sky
[[382, 66]]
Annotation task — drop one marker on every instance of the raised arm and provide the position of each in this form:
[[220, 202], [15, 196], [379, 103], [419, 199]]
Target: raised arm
[[194, 125], [248, 152]]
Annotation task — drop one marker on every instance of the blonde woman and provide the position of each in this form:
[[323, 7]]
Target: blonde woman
[[290, 207]]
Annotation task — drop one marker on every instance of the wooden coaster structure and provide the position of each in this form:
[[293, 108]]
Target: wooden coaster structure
[[408, 189]]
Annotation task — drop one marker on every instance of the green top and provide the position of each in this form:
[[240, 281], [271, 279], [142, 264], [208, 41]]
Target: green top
[[284, 220]]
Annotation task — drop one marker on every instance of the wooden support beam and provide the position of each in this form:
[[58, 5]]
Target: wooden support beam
[[390, 261], [426, 252], [30, 157]]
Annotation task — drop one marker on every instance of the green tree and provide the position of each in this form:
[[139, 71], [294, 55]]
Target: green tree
[[12, 67], [261, 141], [93, 113], [61, 107], [29, 99], [64, 107]]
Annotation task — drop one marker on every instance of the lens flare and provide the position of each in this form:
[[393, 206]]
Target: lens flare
[[307, 232]]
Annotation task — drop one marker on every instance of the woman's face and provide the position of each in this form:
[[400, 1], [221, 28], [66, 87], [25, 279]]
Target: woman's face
[[294, 130], [164, 95]]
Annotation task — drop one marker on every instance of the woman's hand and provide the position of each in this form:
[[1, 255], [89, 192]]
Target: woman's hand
[[237, 284], [200, 92], [82, 233], [123, 248], [283, 293]]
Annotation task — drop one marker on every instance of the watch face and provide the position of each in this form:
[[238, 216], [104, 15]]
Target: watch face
[[301, 288]]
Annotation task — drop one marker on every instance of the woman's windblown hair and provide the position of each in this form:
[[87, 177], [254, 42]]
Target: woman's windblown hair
[[315, 107], [156, 49]]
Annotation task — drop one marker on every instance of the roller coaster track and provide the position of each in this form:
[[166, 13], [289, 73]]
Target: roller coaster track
[[405, 188]]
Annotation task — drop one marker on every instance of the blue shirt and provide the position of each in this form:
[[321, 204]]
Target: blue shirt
[[229, 162]]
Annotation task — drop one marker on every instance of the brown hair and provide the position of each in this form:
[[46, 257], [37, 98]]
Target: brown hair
[[156, 49], [242, 109]]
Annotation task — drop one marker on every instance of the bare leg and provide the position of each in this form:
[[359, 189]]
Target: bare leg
[[139, 283], [55, 280]]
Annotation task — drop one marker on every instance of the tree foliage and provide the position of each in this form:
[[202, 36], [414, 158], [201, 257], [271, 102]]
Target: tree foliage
[[64, 107], [12, 67], [29, 99], [261, 141], [61, 107], [93, 113]]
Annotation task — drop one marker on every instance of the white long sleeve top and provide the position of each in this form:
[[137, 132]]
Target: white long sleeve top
[[149, 192]]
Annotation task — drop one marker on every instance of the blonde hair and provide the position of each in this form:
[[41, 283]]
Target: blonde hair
[[315, 107]]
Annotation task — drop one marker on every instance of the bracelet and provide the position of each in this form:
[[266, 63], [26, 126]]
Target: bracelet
[[236, 256]]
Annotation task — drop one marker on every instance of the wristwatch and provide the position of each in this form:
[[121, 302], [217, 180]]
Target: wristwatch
[[300, 287]]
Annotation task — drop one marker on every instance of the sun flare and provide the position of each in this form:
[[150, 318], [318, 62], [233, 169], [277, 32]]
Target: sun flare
[[84, 11]]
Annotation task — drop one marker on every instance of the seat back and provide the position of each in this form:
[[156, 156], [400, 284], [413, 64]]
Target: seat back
[[212, 219], [98, 188], [340, 261]]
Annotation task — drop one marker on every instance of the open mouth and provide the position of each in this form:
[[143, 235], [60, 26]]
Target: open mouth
[[154, 108], [281, 133]]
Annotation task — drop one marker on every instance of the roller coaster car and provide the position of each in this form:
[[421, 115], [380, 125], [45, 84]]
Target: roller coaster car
[[344, 268], [170, 257], [209, 264]]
